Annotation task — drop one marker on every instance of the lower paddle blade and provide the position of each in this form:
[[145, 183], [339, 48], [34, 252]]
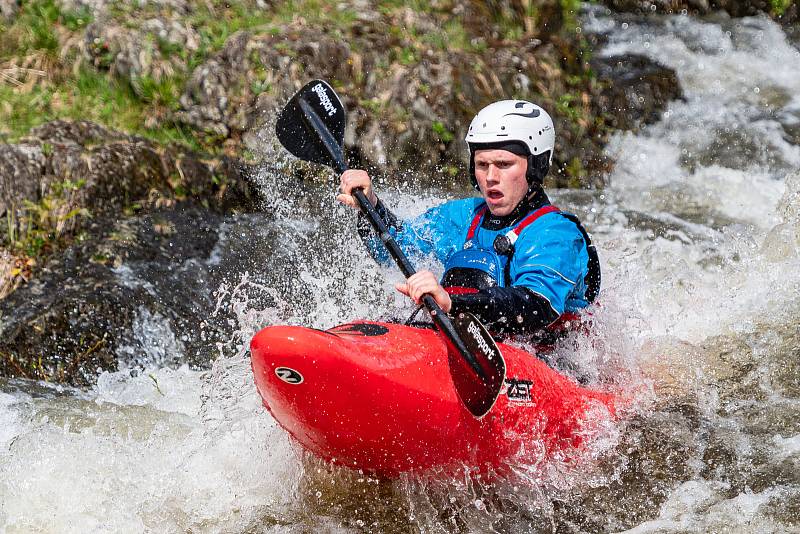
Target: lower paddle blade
[[478, 391], [298, 135]]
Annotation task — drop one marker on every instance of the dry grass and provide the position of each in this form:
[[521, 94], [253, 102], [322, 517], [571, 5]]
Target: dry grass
[[14, 271]]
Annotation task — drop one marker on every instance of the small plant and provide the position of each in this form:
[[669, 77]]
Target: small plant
[[565, 106], [407, 55], [779, 7], [14, 270], [44, 222], [445, 135], [38, 228], [162, 92], [77, 19]]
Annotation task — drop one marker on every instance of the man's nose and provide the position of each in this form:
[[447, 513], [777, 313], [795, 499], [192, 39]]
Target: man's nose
[[492, 174]]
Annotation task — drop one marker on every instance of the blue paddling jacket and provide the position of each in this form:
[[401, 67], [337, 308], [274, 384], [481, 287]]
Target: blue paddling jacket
[[518, 273]]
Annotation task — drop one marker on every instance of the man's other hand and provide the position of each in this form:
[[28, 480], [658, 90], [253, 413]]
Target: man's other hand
[[352, 179], [425, 282]]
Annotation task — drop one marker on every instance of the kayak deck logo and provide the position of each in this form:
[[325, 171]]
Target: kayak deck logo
[[518, 390], [289, 375]]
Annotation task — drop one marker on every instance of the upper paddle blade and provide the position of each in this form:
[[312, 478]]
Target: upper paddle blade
[[316, 101], [478, 391]]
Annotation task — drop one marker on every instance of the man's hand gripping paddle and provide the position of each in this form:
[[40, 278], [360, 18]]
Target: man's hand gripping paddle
[[311, 127]]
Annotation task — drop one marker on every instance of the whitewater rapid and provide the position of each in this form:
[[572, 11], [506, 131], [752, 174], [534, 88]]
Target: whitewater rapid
[[698, 230]]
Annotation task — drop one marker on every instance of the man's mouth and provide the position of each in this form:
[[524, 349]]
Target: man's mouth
[[494, 195]]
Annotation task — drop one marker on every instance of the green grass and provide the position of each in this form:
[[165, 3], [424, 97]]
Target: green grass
[[77, 19], [566, 105], [569, 10], [216, 22], [92, 96], [32, 30], [127, 104], [35, 28], [165, 92]]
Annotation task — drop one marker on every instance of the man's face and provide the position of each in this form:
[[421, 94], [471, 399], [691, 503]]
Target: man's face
[[501, 179]]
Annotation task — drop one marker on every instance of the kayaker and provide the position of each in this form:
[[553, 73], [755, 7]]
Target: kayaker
[[510, 257]]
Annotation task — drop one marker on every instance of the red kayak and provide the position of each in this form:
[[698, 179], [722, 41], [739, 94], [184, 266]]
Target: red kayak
[[379, 397]]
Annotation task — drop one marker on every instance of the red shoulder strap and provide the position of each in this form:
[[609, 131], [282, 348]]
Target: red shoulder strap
[[544, 210], [475, 222]]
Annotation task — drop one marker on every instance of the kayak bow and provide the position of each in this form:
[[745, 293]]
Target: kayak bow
[[379, 397]]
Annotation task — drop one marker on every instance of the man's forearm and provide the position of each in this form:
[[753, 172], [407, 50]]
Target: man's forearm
[[365, 227], [508, 310]]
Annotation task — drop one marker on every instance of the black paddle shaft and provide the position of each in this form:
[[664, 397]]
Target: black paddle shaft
[[439, 317]]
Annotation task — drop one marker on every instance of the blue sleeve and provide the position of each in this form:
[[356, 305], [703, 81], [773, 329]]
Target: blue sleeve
[[551, 260], [439, 231]]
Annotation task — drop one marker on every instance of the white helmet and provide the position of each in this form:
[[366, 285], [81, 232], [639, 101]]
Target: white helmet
[[514, 122]]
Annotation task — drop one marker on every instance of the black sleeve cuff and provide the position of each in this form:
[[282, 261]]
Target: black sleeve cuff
[[389, 219], [507, 310]]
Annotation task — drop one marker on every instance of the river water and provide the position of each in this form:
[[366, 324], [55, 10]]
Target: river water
[[699, 231]]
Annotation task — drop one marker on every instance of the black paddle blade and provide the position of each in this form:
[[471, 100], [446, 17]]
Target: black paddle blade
[[478, 391], [299, 124]]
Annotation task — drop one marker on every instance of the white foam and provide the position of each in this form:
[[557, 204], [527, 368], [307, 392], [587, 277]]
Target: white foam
[[699, 507], [9, 419]]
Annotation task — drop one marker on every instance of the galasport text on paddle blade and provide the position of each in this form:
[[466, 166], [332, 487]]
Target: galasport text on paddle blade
[[482, 349], [294, 130]]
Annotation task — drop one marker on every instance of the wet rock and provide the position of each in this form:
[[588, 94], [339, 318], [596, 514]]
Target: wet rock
[[742, 8], [21, 169], [659, 6], [115, 170], [789, 19], [8, 9], [637, 89], [138, 292], [89, 309], [140, 264], [205, 99], [659, 452]]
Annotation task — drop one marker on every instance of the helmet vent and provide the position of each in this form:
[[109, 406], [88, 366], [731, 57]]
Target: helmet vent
[[502, 127]]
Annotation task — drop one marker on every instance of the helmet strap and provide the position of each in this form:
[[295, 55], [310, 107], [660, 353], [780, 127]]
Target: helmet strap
[[538, 166]]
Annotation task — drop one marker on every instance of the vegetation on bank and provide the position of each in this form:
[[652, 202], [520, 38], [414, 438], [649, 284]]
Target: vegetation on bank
[[50, 68], [71, 63], [37, 232]]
